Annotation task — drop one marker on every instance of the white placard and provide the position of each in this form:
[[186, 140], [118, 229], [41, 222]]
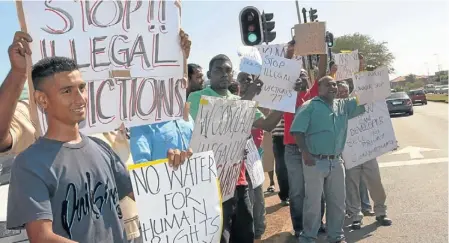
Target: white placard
[[224, 127], [136, 40], [370, 135], [250, 60], [278, 50], [176, 205], [371, 86], [347, 63], [254, 164], [279, 76]]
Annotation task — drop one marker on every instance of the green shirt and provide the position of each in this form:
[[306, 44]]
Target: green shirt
[[325, 127], [194, 99]]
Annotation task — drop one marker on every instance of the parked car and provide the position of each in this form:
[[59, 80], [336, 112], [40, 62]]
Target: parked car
[[400, 102], [418, 96]]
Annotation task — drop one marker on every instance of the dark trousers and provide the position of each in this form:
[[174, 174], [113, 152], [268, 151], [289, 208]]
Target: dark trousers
[[238, 224], [281, 168]]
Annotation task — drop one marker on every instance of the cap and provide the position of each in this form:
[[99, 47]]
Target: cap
[[292, 42]]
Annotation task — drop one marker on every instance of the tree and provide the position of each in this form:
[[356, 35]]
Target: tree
[[411, 78], [376, 54]]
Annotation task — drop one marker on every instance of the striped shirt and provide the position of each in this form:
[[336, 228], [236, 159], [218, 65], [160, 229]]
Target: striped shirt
[[279, 129]]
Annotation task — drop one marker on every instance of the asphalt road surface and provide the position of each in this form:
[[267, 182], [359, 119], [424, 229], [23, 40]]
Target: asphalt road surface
[[415, 179]]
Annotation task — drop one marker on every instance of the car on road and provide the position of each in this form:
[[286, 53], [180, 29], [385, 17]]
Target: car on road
[[418, 96], [400, 102]]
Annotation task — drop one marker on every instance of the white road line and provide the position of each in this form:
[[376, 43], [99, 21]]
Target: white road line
[[414, 162]]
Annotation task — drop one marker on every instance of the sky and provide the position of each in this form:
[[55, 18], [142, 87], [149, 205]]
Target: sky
[[416, 31]]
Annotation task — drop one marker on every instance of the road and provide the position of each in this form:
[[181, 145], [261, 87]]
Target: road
[[415, 178]]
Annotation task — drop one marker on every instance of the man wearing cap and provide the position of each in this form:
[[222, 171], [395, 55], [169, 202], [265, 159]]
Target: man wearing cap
[[293, 158]]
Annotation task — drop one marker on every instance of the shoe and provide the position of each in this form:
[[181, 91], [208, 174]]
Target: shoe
[[368, 213], [322, 229], [271, 189], [341, 241], [285, 203], [383, 220], [356, 225]]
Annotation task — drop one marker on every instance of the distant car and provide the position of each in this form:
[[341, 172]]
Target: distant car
[[418, 96], [400, 102]]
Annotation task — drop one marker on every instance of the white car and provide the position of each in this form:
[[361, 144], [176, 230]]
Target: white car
[[7, 236]]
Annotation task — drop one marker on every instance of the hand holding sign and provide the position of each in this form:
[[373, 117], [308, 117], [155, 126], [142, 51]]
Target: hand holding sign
[[250, 60], [177, 157], [185, 43], [18, 50]]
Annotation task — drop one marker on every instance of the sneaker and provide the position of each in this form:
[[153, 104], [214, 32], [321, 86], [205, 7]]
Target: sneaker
[[341, 241], [356, 225], [271, 188], [368, 213], [322, 229], [285, 203], [383, 220]]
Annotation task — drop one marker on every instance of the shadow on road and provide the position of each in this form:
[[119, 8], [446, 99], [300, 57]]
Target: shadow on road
[[357, 235], [273, 209], [283, 237], [398, 115]]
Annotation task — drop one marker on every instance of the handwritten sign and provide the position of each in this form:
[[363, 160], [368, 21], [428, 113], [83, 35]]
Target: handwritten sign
[[178, 205], [370, 135], [279, 76], [254, 164], [310, 38], [250, 60], [135, 40], [371, 86], [224, 126], [278, 50], [347, 63]]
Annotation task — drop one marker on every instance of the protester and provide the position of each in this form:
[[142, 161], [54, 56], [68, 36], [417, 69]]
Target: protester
[[196, 78], [281, 169], [61, 164], [18, 132], [237, 213], [293, 160], [355, 177], [268, 158], [256, 194], [320, 128]]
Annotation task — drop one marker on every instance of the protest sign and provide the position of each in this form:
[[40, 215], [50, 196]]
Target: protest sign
[[254, 164], [279, 76], [250, 60], [310, 38], [178, 205], [369, 135], [134, 71], [224, 126], [347, 63], [371, 86], [278, 50]]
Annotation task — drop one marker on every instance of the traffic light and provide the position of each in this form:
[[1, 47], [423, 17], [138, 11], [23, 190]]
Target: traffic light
[[313, 14], [329, 39], [268, 34], [251, 26]]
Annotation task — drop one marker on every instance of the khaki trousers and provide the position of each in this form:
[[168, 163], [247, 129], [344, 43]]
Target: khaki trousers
[[369, 172]]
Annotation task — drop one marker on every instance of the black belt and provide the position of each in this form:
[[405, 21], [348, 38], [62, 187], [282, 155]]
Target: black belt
[[322, 156]]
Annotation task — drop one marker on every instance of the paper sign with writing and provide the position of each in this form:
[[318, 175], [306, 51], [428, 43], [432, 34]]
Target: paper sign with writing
[[347, 63], [310, 38], [279, 76], [254, 164], [371, 86], [250, 60], [278, 50], [177, 205], [224, 126], [370, 135], [137, 39]]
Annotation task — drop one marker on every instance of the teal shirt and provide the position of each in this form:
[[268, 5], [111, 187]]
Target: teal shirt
[[325, 127], [195, 97]]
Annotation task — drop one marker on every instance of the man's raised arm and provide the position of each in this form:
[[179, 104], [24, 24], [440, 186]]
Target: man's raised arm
[[13, 85]]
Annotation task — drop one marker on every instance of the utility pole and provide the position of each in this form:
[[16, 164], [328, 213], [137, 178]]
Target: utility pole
[[297, 11]]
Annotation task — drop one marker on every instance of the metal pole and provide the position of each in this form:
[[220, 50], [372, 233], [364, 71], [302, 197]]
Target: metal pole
[[298, 12]]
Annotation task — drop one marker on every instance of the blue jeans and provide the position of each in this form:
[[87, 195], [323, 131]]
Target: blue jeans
[[257, 199], [328, 176], [364, 197], [293, 162]]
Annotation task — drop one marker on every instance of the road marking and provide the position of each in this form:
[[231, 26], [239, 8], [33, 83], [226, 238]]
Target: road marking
[[415, 152], [414, 162]]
